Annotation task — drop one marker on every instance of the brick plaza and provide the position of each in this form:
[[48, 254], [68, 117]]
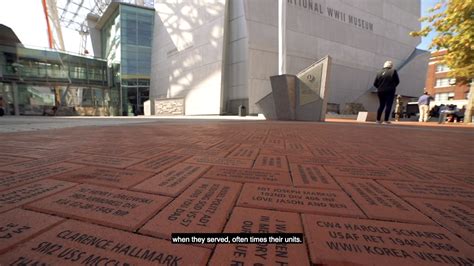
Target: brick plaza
[[360, 193]]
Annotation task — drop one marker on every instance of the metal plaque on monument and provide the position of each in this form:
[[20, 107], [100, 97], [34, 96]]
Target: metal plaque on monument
[[301, 97]]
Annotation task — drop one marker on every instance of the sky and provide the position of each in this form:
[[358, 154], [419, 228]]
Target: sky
[[26, 18], [425, 5]]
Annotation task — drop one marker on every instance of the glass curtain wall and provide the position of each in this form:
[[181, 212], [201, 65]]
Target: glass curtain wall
[[46, 78], [136, 40]]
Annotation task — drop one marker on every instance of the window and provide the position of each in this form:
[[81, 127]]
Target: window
[[445, 82], [446, 96], [442, 68]]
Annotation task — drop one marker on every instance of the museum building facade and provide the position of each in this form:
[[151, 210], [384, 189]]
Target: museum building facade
[[209, 57]]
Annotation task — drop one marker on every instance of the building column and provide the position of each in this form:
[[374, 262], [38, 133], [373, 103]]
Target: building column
[[16, 99]]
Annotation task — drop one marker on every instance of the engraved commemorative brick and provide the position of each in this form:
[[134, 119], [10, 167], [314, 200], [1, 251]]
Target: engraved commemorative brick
[[21, 178], [271, 162], [309, 175], [78, 243], [203, 207], [212, 160], [120, 178], [172, 181], [456, 217], [108, 161], [18, 225], [21, 195], [364, 172], [284, 198], [111, 207], [160, 163], [430, 191], [245, 220], [249, 175], [379, 203], [340, 240]]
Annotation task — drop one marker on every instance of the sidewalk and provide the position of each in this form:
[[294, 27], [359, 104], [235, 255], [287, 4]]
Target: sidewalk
[[97, 191]]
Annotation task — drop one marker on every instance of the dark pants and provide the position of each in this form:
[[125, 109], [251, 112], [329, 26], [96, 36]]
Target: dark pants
[[385, 102]]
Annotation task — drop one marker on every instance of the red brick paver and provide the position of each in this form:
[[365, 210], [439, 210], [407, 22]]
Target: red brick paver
[[78, 243], [111, 207], [338, 240], [360, 193], [18, 225]]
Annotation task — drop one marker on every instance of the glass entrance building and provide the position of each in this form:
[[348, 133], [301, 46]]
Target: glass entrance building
[[126, 33], [33, 81], [114, 82]]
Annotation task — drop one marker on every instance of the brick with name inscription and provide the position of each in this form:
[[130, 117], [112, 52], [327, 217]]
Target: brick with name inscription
[[462, 179], [363, 160], [449, 166], [107, 206], [309, 175], [21, 195], [430, 191], [456, 217], [364, 172], [153, 152], [379, 203], [32, 164], [78, 243], [226, 146], [245, 220], [160, 163], [419, 174], [283, 151], [242, 175], [16, 151], [319, 160], [203, 207], [120, 178], [8, 159], [21, 178], [172, 181], [17, 225], [110, 150], [213, 160], [275, 142], [186, 151], [324, 152], [244, 153], [108, 161], [348, 241], [271, 162], [296, 146], [292, 199]]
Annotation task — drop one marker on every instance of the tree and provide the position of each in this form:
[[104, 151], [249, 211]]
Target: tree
[[455, 27]]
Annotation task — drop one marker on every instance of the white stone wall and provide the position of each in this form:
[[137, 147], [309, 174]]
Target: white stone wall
[[211, 52], [236, 70], [187, 58], [357, 52]]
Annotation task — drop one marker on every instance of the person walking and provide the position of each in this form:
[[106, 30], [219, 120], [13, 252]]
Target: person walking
[[2, 111], [386, 83], [424, 106]]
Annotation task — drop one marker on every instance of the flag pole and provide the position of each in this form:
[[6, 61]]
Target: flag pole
[[281, 37]]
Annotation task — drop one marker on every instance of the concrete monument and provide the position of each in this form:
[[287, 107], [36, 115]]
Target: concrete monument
[[299, 97]]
